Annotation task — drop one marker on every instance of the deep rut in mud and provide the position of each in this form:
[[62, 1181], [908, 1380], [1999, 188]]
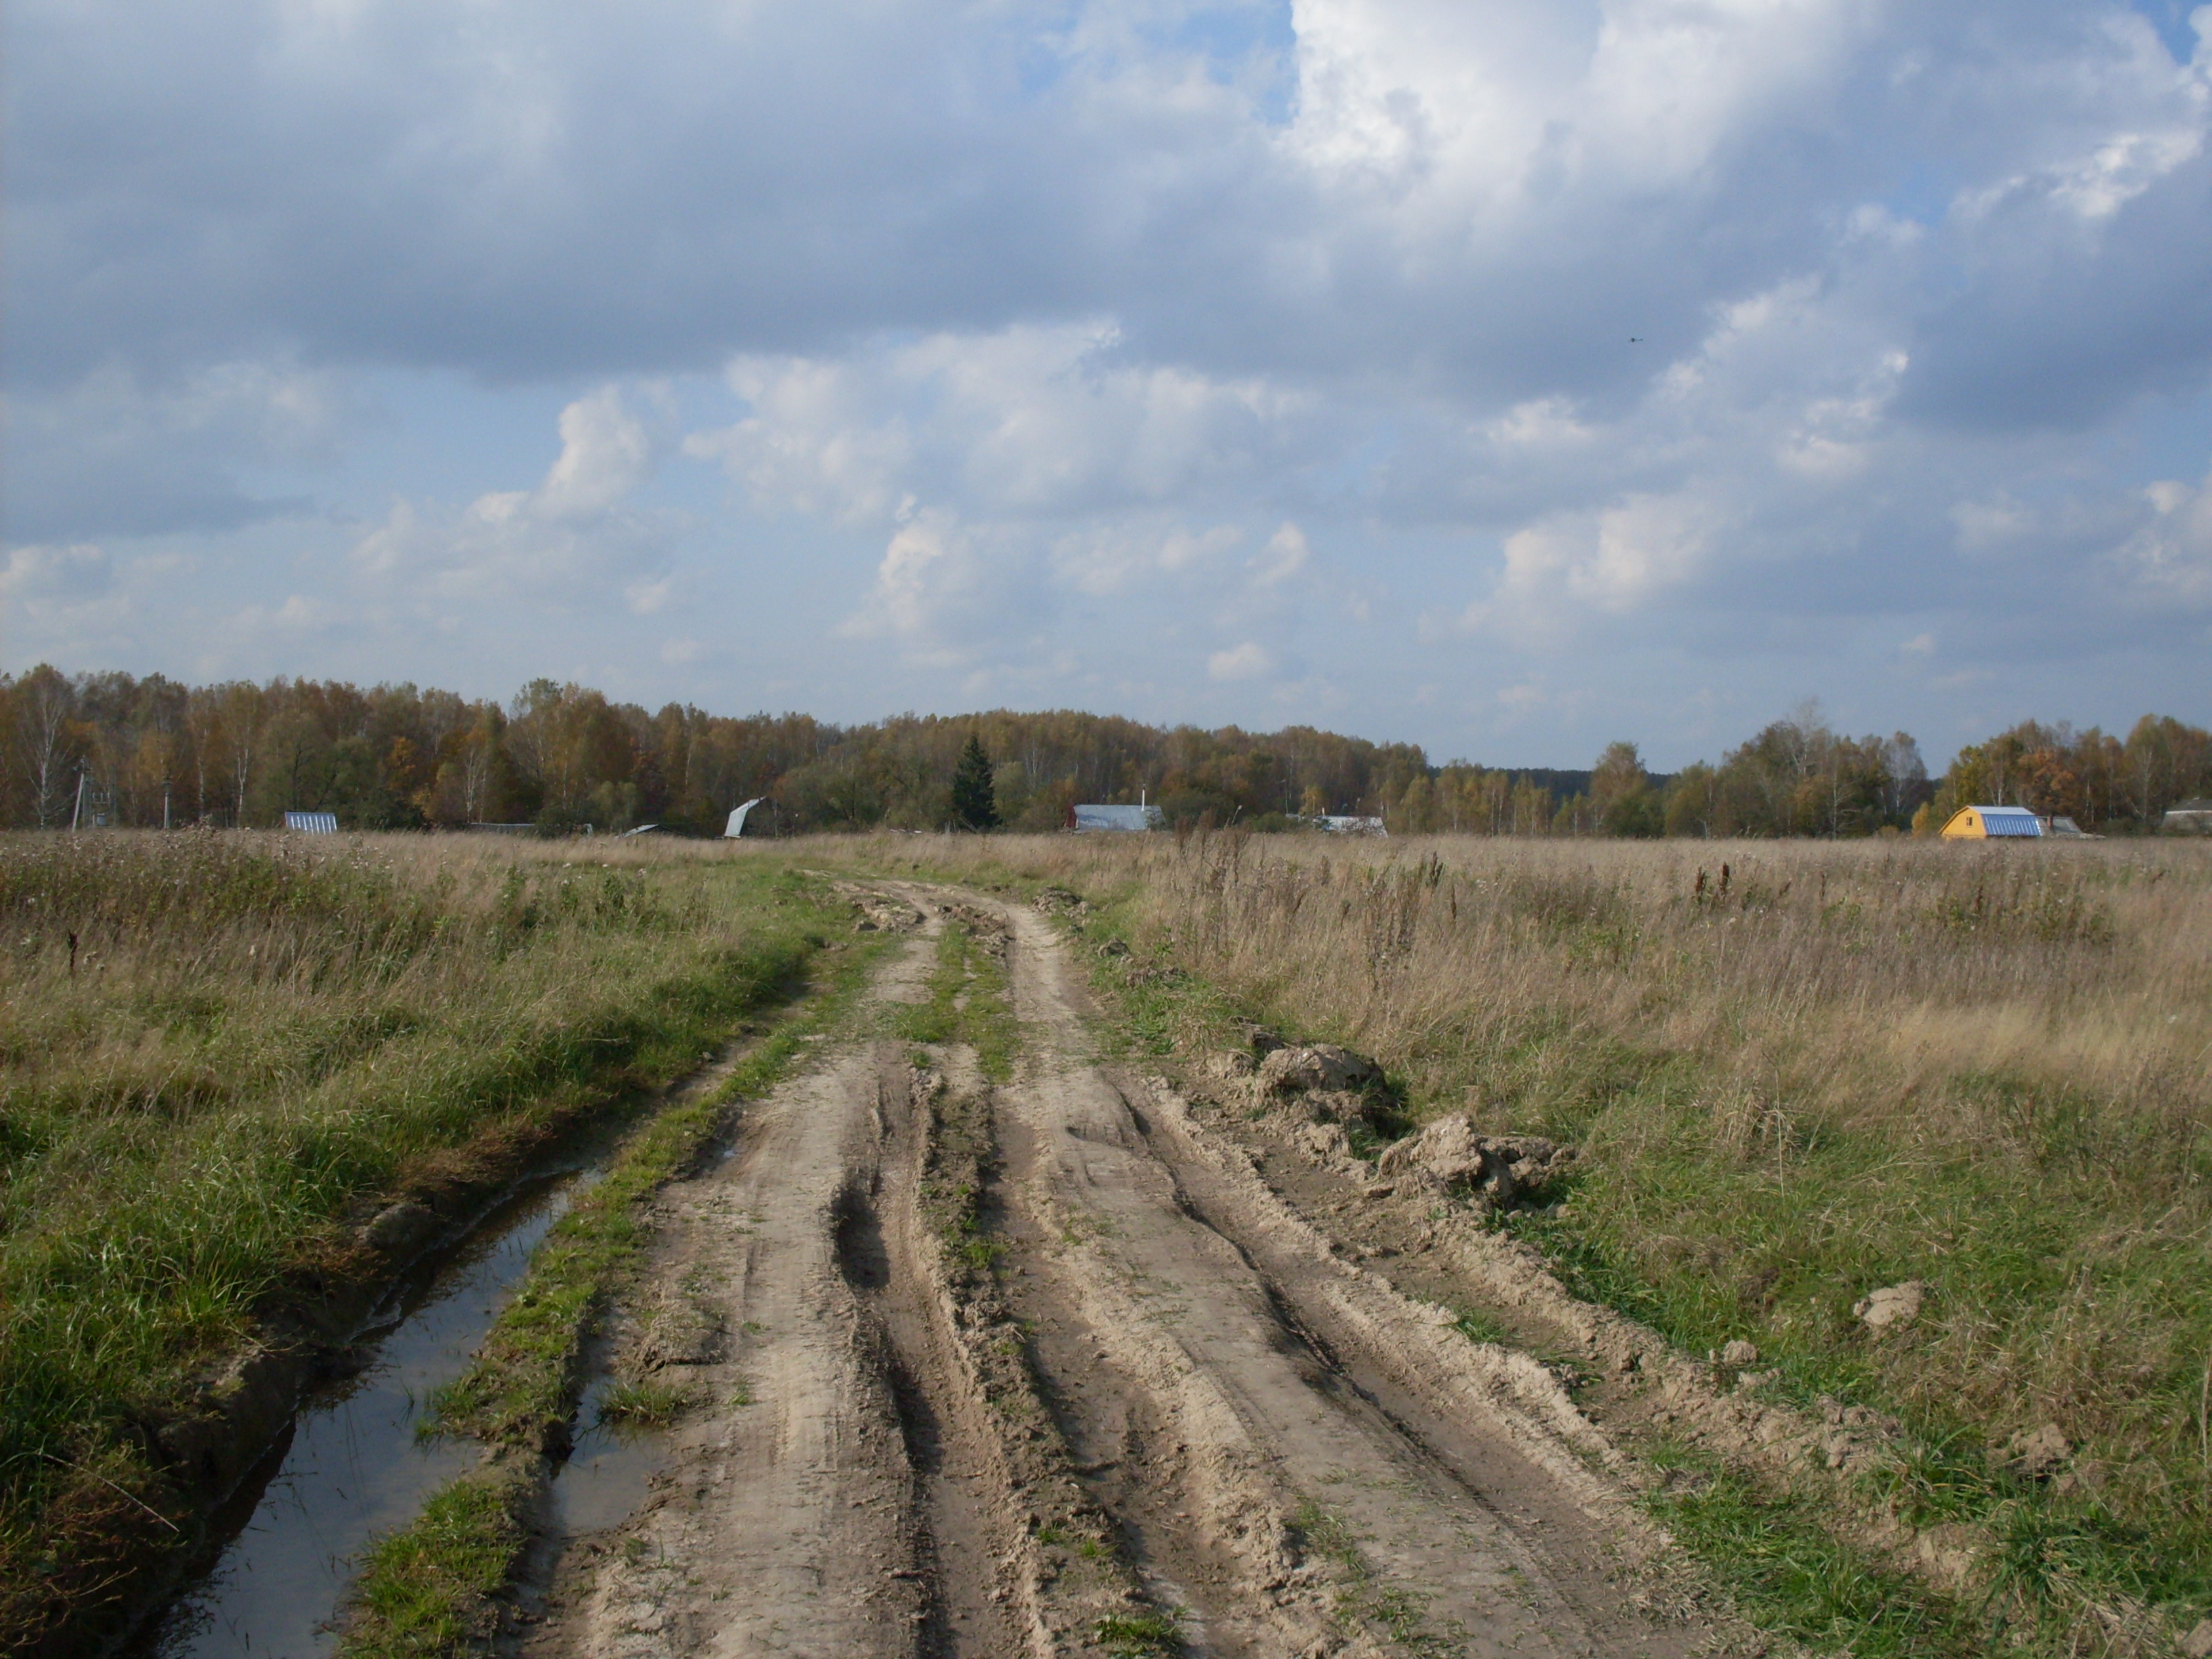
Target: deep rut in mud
[[1042, 1367]]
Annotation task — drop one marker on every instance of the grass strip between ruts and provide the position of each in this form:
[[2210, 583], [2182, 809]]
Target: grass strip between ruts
[[429, 1588], [968, 1003]]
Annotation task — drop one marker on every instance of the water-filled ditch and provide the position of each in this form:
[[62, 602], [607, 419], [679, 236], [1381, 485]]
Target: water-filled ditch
[[353, 1465]]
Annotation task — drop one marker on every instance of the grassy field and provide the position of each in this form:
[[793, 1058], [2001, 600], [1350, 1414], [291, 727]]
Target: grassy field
[[219, 1052], [1799, 1071]]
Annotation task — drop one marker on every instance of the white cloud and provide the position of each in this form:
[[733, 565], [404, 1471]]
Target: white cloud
[[1605, 563], [573, 535], [1286, 554], [81, 571], [1127, 555], [1248, 662], [1028, 421], [646, 597], [932, 589], [2169, 560], [1983, 525], [605, 456], [298, 614], [1541, 422], [72, 602]]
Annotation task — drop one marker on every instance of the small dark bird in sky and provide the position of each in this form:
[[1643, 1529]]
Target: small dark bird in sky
[[1635, 339]]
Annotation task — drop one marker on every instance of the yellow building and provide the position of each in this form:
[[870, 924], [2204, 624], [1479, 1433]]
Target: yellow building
[[1991, 822]]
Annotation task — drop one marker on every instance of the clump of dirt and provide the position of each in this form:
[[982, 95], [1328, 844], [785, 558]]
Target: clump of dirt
[[1893, 1307], [1319, 1068], [1335, 1106], [986, 928], [1059, 901], [1451, 1157], [1339, 1101], [880, 912]]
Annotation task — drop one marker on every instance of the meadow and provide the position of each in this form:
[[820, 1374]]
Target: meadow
[[221, 1052], [1797, 1071]]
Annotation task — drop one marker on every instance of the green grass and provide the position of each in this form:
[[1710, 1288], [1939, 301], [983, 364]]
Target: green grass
[[645, 1405], [1704, 1249], [1138, 1636], [429, 1589], [1476, 1326], [261, 1042], [1789, 1572]]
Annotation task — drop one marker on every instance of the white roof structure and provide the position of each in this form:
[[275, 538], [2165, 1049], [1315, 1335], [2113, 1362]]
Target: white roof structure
[[1116, 817], [312, 824], [2188, 817], [737, 825], [1350, 826]]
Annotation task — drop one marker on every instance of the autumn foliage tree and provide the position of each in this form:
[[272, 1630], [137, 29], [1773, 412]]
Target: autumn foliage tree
[[562, 756]]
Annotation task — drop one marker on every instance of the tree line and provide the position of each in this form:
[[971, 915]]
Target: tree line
[[111, 748]]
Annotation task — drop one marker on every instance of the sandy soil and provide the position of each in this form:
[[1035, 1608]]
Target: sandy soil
[[1167, 1401]]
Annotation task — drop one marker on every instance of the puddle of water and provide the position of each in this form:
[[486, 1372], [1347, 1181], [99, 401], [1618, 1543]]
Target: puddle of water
[[353, 1466], [608, 1474]]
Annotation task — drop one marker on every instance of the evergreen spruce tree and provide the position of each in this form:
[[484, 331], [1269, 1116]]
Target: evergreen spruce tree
[[975, 805]]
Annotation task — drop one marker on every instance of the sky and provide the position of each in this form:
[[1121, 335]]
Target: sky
[[1506, 376]]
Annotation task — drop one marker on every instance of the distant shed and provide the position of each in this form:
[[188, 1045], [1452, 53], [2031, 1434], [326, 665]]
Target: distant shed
[[2189, 817], [1992, 824], [736, 827], [1338, 825], [1087, 818], [312, 824]]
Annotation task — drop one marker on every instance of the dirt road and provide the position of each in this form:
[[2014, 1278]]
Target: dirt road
[[1045, 1368]]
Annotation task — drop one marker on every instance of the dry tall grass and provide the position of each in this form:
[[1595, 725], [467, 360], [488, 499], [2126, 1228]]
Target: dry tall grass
[[1798, 1070]]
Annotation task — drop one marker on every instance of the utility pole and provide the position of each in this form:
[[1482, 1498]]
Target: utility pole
[[164, 803], [77, 812]]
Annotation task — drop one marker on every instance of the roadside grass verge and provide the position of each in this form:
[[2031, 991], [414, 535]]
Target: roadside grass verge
[[1820, 1070], [1785, 1569], [220, 1053], [422, 1589]]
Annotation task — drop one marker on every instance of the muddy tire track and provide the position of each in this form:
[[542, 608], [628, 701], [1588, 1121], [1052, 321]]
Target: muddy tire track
[[1046, 1369], [1324, 1462], [865, 1468]]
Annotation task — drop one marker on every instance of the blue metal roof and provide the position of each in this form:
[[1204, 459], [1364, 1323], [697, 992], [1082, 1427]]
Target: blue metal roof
[[2008, 821], [312, 824]]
